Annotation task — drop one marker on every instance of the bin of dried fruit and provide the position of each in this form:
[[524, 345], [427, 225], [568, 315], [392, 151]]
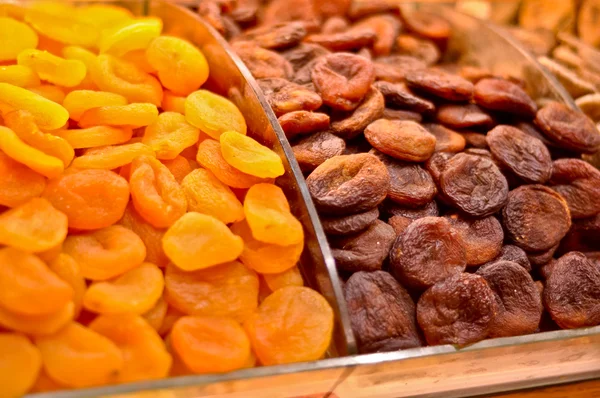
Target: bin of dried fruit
[[142, 234], [454, 197]]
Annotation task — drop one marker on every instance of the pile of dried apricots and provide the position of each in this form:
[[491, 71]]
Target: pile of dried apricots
[[141, 234]]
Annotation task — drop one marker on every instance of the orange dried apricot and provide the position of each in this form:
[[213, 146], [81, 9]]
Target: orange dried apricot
[[47, 114], [181, 66], [138, 58], [152, 237], [145, 356], [106, 253], [79, 357], [155, 316], [268, 214], [213, 114], [135, 292], [173, 103], [85, 56], [266, 258], [179, 167], [172, 315], [250, 157], [19, 75], [33, 226], [37, 325], [229, 289], [28, 286], [20, 364], [44, 383], [155, 193], [91, 199], [45, 43], [197, 241], [111, 156], [132, 115], [118, 76], [129, 34], [93, 137], [38, 161], [209, 156], [79, 101], [19, 183], [210, 344], [290, 277], [53, 69], [50, 254], [69, 271], [23, 124], [294, 324], [170, 134], [207, 195], [50, 92], [15, 36]]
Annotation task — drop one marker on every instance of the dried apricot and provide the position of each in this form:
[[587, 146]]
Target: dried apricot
[[155, 316], [129, 34], [132, 115], [481, 237], [213, 114], [505, 96], [440, 84], [93, 137], [404, 140], [19, 183], [248, 156], [59, 25], [152, 237], [112, 156], [47, 114], [179, 166], [169, 135], [290, 277], [91, 199], [106, 253], [173, 103], [314, 150], [79, 101], [69, 271], [579, 184], [294, 324], [20, 364], [19, 75], [229, 289], [49, 91], [35, 159], [15, 36], [53, 69], [37, 325]]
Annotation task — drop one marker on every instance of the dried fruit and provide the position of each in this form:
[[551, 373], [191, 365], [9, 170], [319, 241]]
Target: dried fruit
[[312, 151], [446, 140], [350, 224], [404, 140], [505, 96], [250, 157], [440, 84], [350, 125], [21, 362], [482, 237], [514, 254], [169, 135]]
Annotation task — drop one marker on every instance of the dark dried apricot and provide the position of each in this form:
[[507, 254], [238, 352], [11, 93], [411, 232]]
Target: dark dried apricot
[[519, 305], [399, 223], [505, 96], [543, 257], [351, 39], [348, 184], [350, 224], [302, 122], [474, 184], [436, 164], [365, 251], [397, 95], [370, 109], [446, 139], [535, 217], [284, 96], [474, 140], [440, 84], [401, 115], [277, 37], [359, 9], [404, 140], [261, 62], [427, 25], [428, 251], [514, 254], [313, 150], [386, 28], [393, 209], [482, 237], [521, 154], [464, 116], [579, 183], [303, 54], [335, 24], [382, 313], [422, 49]]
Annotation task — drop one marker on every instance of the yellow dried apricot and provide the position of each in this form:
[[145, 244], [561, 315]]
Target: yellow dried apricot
[[69, 271], [129, 34], [102, 15], [19, 75], [213, 114], [45, 43], [106, 253], [53, 69], [50, 92], [207, 195], [20, 364], [112, 156], [155, 193], [152, 237], [33, 226], [38, 161], [247, 155], [268, 214], [294, 324], [47, 114], [85, 56], [266, 258], [79, 101], [210, 344], [209, 156], [136, 291], [61, 26], [155, 316], [173, 103], [15, 36], [170, 134], [37, 325], [93, 137], [179, 167], [79, 357], [24, 126], [91, 199], [132, 115], [291, 277], [19, 183], [118, 76], [197, 241], [144, 353], [28, 286], [229, 289], [181, 66]]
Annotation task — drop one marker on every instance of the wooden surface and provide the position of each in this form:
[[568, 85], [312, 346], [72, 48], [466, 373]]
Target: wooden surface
[[587, 389]]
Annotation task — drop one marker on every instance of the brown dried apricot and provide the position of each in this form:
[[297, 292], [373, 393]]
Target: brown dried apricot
[[393, 209], [348, 40], [349, 183], [535, 217], [397, 95], [422, 49], [382, 313], [350, 224], [401, 139], [514, 254], [303, 122], [312, 151], [386, 28], [482, 237], [278, 36], [464, 116], [458, 310], [428, 251], [427, 25], [229, 289], [284, 96], [293, 324], [446, 140], [350, 125], [578, 183], [543, 257], [436, 164], [474, 139], [263, 63], [402, 115], [505, 96], [440, 84]]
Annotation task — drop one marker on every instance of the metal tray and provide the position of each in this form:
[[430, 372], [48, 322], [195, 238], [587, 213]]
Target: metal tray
[[440, 371]]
